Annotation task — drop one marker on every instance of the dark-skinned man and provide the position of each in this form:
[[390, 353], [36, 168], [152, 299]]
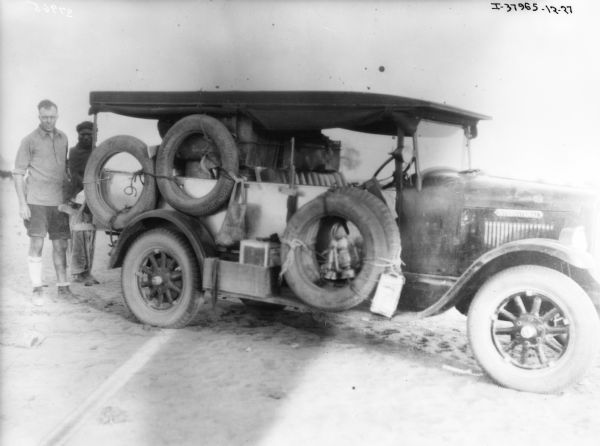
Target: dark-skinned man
[[83, 232]]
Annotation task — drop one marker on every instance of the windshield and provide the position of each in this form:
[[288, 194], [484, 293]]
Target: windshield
[[363, 153], [441, 146]]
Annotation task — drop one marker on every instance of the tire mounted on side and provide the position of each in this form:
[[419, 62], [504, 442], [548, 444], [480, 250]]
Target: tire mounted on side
[[376, 226], [215, 131], [103, 211]]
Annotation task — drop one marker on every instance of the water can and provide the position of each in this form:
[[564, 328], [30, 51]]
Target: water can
[[387, 294]]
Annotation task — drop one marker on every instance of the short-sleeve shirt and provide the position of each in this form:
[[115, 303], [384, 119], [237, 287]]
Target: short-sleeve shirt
[[42, 157]]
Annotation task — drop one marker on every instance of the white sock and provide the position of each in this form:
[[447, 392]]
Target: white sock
[[63, 283], [35, 270]]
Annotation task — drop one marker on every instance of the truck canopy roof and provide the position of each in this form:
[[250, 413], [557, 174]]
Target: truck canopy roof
[[288, 111]]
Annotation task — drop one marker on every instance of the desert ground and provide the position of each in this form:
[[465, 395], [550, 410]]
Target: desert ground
[[89, 374]]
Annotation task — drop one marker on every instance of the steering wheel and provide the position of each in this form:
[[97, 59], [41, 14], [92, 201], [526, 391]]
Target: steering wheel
[[382, 183]]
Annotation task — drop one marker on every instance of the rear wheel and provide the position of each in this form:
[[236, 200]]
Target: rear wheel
[[160, 279], [534, 329]]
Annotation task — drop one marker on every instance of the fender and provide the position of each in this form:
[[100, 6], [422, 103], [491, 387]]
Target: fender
[[193, 229], [545, 247]]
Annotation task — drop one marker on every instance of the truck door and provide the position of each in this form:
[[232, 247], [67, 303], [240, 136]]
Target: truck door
[[431, 210], [429, 225]]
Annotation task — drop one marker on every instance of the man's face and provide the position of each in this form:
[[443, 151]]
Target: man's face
[[85, 139], [48, 117]]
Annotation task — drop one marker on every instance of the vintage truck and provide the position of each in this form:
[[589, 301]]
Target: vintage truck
[[245, 198]]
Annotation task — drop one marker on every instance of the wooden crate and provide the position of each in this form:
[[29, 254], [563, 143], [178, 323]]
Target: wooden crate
[[261, 253], [237, 278]]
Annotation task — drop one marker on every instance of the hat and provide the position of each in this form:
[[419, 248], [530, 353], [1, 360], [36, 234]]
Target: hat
[[85, 125]]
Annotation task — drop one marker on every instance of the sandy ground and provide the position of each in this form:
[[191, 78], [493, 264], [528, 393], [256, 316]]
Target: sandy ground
[[89, 374]]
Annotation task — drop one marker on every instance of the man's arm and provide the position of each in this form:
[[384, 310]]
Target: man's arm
[[21, 166], [19, 181]]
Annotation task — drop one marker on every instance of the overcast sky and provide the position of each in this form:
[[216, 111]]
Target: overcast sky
[[535, 73]]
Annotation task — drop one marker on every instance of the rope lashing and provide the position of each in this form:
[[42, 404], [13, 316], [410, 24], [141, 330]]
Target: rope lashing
[[230, 175], [382, 262], [289, 259], [139, 174], [97, 181], [112, 220], [134, 176], [131, 189]]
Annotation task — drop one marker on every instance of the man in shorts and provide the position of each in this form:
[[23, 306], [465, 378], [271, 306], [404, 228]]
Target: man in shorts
[[39, 176]]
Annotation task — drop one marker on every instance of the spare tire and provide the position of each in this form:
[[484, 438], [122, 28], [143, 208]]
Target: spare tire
[[215, 131], [103, 211], [392, 236], [374, 222]]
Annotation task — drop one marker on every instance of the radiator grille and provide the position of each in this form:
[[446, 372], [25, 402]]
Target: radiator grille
[[498, 232]]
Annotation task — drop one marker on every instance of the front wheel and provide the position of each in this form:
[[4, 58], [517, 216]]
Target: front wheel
[[160, 278], [534, 329]]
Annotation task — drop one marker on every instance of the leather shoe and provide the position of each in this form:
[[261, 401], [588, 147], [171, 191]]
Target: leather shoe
[[37, 297]]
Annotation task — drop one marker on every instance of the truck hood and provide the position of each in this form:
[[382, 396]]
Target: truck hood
[[481, 190]]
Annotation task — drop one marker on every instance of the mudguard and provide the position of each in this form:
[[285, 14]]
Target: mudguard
[[192, 228], [546, 247]]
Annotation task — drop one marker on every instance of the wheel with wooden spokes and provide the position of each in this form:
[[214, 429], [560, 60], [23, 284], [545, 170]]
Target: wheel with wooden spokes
[[534, 329], [160, 277]]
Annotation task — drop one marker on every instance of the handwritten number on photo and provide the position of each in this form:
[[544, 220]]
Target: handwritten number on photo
[[52, 8]]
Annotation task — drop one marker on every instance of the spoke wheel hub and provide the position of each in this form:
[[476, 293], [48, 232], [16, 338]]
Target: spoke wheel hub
[[529, 328], [530, 331], [160, 280]]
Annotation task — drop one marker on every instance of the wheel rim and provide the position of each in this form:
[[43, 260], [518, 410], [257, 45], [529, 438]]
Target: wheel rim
[[530, 330], [160, 280]]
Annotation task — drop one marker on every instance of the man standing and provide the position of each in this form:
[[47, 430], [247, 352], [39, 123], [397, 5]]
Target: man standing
[[39, 176], [83, 232]]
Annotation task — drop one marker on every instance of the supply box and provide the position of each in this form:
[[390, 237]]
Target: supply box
[[260, 253], [237, 278]]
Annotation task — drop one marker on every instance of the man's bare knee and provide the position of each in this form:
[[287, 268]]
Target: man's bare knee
[[36, 244], [60, 245]]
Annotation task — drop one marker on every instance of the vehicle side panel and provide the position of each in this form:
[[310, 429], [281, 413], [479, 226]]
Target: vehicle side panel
[[430, 226]]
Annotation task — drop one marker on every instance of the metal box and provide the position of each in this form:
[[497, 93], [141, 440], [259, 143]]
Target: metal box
[[260, 253], [237, 278]]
